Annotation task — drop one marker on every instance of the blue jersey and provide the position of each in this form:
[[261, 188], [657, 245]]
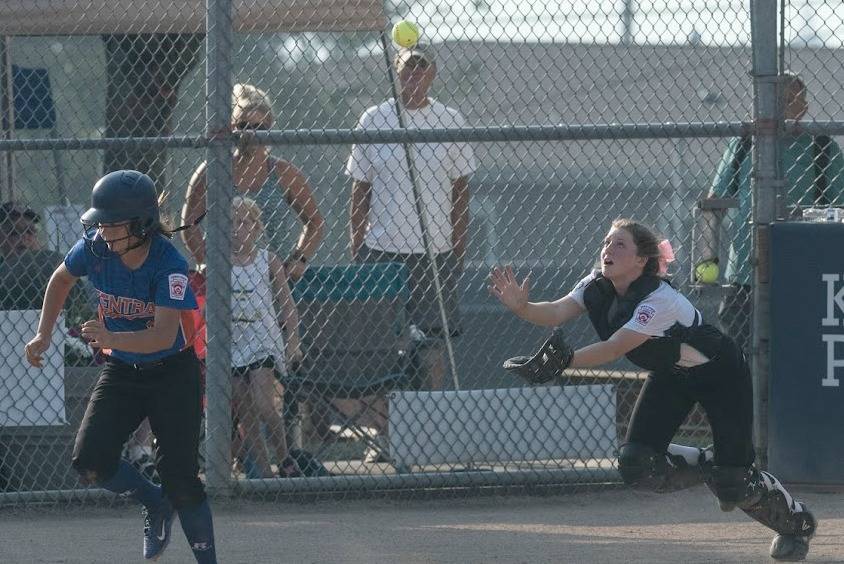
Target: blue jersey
[[128, 298]]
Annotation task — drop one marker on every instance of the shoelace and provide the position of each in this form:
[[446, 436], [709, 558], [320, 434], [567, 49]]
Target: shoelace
[[147, 520]]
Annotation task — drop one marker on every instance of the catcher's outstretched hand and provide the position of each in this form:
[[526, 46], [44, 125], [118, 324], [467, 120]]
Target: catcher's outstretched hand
[[504, 286], [548, 363]]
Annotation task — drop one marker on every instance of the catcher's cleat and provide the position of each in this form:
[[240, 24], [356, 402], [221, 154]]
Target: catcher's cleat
[[548, 363], [795, 547], [790, 548], [157, 526]]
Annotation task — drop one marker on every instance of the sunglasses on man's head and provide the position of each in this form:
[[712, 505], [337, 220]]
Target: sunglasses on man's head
[[252, 126]]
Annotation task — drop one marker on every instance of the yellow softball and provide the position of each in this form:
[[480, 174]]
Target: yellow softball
[[406, 34], [707, 272]]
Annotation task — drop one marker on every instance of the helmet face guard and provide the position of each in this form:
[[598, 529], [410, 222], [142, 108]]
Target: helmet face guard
[[100, 248], [140, 225]]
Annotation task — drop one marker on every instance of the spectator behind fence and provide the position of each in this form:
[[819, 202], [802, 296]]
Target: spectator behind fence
[[274, 183], [385, 225], [26, 266], [812, 166], [262, 305]]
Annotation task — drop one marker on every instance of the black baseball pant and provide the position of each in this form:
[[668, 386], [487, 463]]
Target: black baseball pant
[[168, 393], [724, 389]]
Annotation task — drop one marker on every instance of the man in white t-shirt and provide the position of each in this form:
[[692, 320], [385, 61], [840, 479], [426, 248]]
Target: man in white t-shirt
[[385, 225]]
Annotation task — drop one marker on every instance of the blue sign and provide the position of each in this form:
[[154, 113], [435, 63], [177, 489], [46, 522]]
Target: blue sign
[[806, 395], [34, 107]]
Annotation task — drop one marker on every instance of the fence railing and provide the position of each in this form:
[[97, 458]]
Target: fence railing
[[530, 144]]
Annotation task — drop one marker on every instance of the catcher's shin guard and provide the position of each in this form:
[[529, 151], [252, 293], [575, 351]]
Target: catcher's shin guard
[[641, 467], [779, 511], [763, 498]]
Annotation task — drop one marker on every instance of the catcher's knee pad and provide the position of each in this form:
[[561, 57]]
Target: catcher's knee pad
[[777, 510], [637, 465], [644, 468]]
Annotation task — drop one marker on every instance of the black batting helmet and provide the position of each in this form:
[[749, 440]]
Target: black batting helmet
[[124, 196]]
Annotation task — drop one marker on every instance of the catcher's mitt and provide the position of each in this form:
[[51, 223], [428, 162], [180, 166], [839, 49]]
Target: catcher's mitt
[[548, 363]]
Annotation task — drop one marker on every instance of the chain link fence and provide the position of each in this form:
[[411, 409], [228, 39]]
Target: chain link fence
[[334, 348]]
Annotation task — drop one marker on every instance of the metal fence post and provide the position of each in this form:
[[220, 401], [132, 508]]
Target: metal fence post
[[218, 262], [763, 18]]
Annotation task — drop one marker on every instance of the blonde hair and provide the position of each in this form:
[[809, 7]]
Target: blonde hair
[[250, 209], [247, 98]]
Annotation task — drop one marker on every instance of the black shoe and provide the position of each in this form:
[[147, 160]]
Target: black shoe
[[289, 469], [157, 525], [308, 465]]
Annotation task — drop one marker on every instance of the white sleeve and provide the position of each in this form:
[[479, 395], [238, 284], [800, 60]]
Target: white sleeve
[[577, 292], [359, 165], [462, 155], [654, 315]]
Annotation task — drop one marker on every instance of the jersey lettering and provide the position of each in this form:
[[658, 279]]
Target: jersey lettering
[[121, 307]]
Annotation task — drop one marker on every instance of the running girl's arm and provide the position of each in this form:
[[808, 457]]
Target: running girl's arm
[[55, 296], [58, 288], [160, 336]]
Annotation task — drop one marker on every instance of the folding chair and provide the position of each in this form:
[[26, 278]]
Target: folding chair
[[354, 335]]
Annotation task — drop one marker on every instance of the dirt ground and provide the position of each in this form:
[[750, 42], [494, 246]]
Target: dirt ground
[[618, 526]]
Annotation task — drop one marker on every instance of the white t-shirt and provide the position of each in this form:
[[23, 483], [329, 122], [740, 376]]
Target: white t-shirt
[[654, 315], [393, 224], [255, 331]]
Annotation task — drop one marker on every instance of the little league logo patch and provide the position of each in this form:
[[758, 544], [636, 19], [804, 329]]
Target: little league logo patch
[[178, 286], [644, 314]]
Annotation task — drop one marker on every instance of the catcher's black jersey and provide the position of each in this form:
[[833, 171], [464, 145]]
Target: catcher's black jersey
[[650, 306], [656, 313]]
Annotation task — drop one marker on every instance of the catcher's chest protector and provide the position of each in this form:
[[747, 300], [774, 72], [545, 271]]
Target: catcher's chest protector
[[608, 313]]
